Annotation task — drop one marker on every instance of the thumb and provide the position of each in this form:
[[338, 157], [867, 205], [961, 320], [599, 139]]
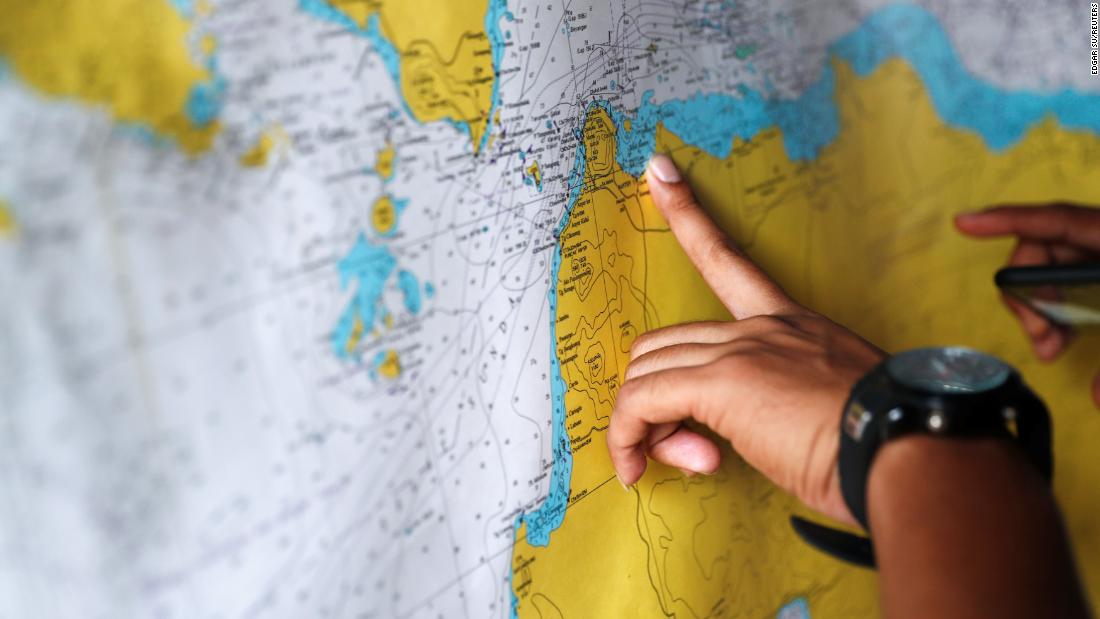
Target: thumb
[[687, 450], [743, 287]]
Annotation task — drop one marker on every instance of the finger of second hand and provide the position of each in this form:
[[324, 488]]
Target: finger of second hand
[[1047, 339], [1073, 225], [1033, 323]]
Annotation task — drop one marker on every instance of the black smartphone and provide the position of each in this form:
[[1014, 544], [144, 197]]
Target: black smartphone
[[1067, 294]]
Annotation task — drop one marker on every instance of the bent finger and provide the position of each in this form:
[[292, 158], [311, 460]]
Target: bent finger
[[721, 338], [687, 450], [1047, 339], [659, 398], [674, 356], [742, 286], [709, 332]]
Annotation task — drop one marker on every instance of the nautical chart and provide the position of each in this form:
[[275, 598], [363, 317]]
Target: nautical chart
[[319, 308]]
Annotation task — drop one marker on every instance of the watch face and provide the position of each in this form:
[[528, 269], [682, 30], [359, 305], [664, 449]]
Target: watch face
[[948, 370]]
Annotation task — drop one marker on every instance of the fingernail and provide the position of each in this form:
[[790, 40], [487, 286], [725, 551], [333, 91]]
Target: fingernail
[[622, 483], [688, 473], [662, 167]]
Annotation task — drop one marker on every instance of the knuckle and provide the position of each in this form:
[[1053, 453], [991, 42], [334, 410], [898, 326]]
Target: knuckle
[[768, 323], [811, 323], [623, 398], [644, 342], [734, 362], [634, 369], [612, 436]]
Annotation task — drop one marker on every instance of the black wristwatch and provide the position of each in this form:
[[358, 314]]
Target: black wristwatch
[[951, 392]]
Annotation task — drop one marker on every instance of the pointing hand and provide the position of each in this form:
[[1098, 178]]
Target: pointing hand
[[772, 382]]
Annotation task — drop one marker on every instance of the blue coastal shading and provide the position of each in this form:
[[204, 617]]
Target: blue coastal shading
[[809, 123], [797, 609], [711, 121], [391, 58], [530, 181], [186, 8], [1001, 117], [410, 288], [379, 359], [322, 10], [369, 266], [550, 514], [141, 133], [399, 206], [498, 10], [204, 101]]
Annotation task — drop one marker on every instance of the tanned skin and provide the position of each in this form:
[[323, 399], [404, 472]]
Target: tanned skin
[[962, 528]]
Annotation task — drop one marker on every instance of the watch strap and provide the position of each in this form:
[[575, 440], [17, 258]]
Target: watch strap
[[855, 549], [874, 415]]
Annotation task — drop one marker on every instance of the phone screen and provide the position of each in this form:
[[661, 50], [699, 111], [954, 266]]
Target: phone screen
[[1067, 304]]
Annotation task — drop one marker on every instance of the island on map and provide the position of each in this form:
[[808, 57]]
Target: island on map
[[132, 58], [445, 66]]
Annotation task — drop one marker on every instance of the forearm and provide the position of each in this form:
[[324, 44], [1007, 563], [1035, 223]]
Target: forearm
[[968, 529]]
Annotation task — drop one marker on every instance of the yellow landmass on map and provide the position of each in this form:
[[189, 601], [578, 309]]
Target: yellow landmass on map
[[355, 337], [383, 215], [390, 366], [131, 57], [535, 174], [863, 234], [384, 162], [208, 45], [446, 63], [8, 226], [258, 155]]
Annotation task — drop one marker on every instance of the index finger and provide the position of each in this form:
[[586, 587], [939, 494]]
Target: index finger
[[1059, 223], [742, 286]]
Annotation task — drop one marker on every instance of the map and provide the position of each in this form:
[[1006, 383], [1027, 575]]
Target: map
[[318, 308]]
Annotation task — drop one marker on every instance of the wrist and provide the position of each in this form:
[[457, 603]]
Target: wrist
[[959, 522], [923, 420], [916, 474]]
